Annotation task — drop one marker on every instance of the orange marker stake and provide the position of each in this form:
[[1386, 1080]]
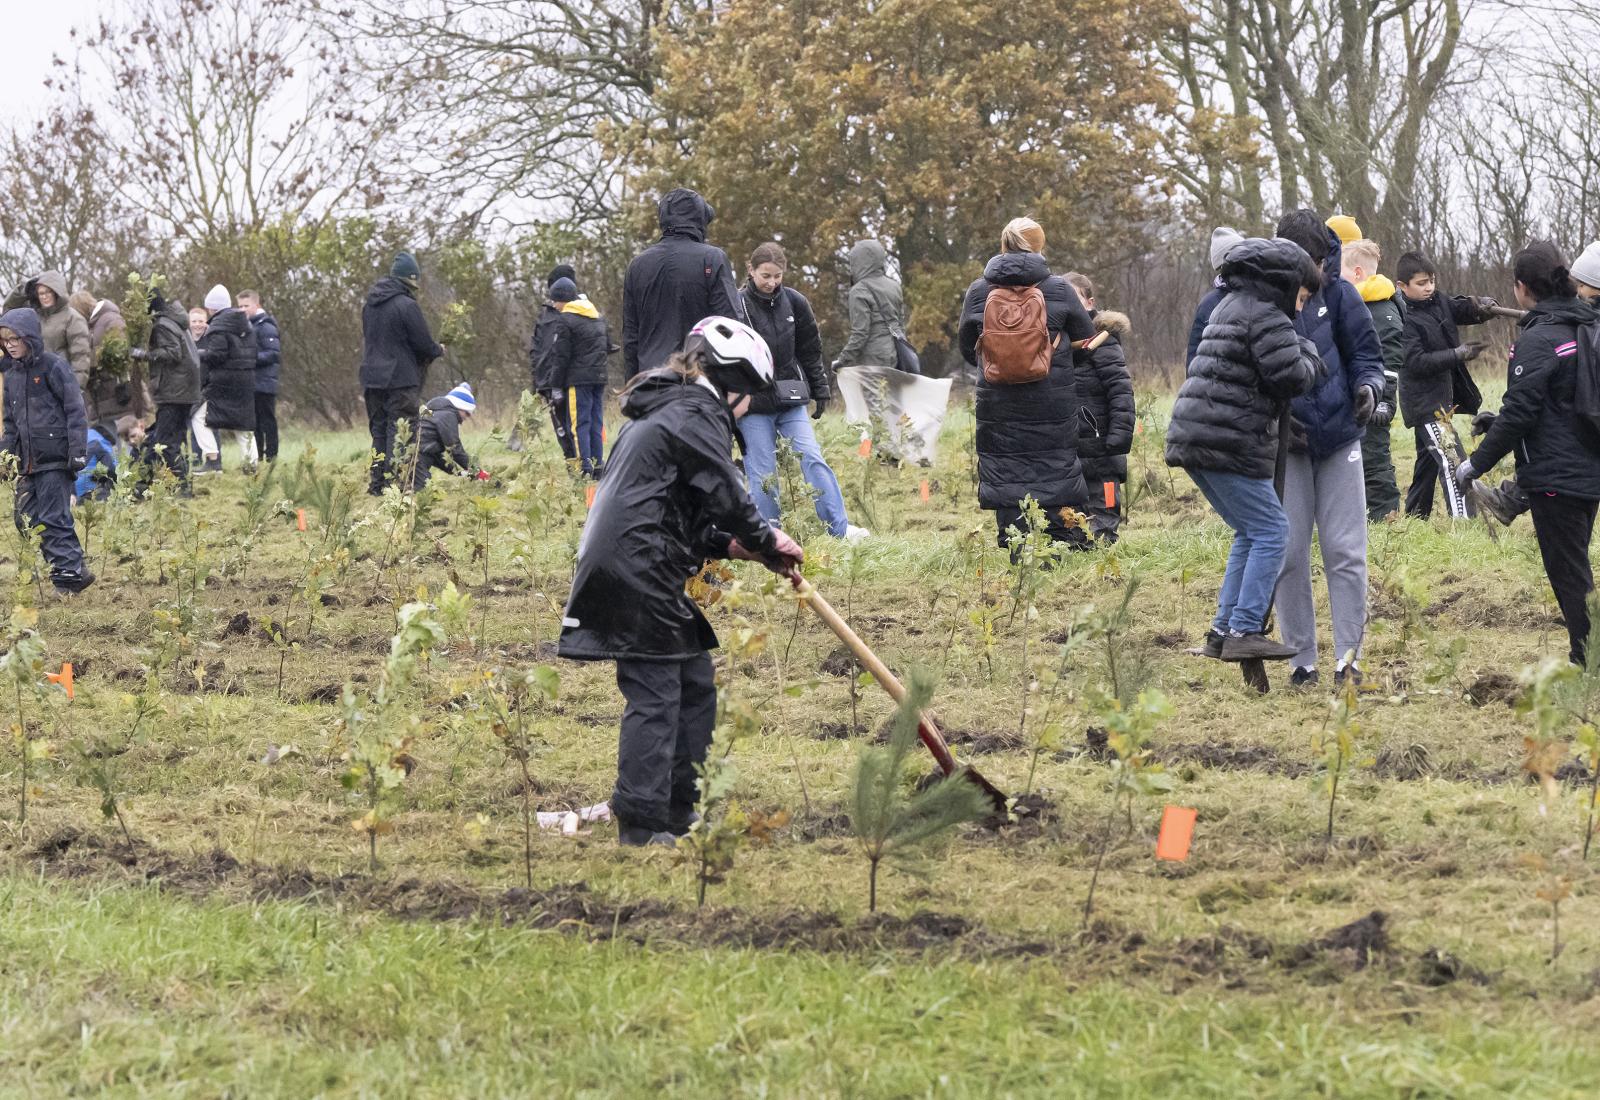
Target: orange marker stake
[[865, 450], [588, 495], [923, 491], [1111, 494], [64, 677], [1177, 830], [299, 519], [1138, 427]]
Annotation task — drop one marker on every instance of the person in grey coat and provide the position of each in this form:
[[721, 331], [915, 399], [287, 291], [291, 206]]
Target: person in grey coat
[[877, 309]]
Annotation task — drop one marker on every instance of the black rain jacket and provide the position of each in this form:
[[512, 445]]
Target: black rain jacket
[[269, 352], [1555, 451], [1432, 376], [579, 347], [439, 436], [1250, 364], [669, 499], [396, 346], [786, 323], [45, 423], [174, 361], [1027, 436], [228, 371], [674, 284], [1105, 397]]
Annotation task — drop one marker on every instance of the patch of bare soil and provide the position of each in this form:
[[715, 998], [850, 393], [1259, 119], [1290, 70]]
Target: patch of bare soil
[[1494, 687], [1235, 757]]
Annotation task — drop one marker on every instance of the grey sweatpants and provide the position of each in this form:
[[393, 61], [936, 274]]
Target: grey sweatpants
[[1332, 495]]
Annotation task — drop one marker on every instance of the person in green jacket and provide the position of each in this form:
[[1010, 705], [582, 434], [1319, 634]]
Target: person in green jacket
[[1360, 268]]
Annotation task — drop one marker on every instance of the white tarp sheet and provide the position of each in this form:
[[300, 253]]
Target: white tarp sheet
[[902, 412]]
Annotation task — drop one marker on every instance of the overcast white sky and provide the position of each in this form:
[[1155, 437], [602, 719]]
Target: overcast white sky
[[35, 30]]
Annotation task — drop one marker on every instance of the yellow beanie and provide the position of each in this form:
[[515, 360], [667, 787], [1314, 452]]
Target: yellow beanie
[[1345, 227]]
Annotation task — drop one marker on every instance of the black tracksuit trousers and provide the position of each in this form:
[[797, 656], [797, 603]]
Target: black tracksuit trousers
[[666, 731], [1563, 525], [44, 500]]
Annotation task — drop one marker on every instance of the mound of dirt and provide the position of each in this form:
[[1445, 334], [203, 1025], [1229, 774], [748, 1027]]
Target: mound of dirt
[[1352, 944], [1494, 687]]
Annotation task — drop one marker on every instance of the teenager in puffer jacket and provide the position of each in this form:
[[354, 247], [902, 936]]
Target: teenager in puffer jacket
[[1250, 363]]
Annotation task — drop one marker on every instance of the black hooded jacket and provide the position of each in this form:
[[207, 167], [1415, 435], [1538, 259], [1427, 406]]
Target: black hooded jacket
[[228, 371], [396, 346], [269, 352], [439, 437], [45, 423], [174, 360], [1250, 364], [579, 347], [786, 323], [1105, 393], [670, 498], [1028, 434], [1538, 421], [1432, 375], [674, 284]]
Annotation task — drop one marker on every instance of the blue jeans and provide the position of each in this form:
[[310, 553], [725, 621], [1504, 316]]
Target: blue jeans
[[1260, 537], [590, 426], [761, 432]]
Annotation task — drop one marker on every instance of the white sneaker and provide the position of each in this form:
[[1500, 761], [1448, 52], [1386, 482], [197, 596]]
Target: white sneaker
[[852, 533]]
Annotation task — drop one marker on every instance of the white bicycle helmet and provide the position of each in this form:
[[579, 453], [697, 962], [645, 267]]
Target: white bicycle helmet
[[732, 354]]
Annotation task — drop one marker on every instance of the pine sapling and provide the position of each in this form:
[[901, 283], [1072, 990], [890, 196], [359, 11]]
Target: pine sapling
[[889, 823]]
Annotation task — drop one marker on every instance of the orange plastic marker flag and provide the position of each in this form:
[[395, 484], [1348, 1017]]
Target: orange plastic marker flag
[[299, 519], [1138, 427], [923, 491], [1111, 494], [64, 677], [865, 450], [1177, 830], [588, 495]]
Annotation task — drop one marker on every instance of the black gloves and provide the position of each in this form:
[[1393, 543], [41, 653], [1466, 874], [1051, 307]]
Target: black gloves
[[1482, 422], [78, 462], [1383, 415], [1484, 306], [819, 406], [1366, 403], [1468, 352]]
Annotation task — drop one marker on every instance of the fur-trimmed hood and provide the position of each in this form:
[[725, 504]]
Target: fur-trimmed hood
[[1117, 324]]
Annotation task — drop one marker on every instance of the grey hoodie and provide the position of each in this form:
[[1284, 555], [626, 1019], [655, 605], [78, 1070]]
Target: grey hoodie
[[64, 330], [876, 308]]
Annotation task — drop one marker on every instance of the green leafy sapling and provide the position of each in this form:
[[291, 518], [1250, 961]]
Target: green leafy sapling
[[381, 730], [511, 698], [1134, 769], [1337, 745], [23, 665], [891, 824]]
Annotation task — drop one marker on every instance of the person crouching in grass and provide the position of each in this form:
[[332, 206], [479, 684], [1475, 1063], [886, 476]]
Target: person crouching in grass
[[1224, 430]]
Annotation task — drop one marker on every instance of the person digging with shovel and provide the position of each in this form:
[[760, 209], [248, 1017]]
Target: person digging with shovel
[[671, 498], [1225, 429]]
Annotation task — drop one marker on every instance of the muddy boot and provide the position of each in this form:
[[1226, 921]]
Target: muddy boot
[[1303, 679], [1212, 646], [1259, 647], [1505, 503]]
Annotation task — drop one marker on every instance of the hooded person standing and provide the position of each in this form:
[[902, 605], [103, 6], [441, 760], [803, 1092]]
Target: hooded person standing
[[173, 361], [1223, 238], [579, 350], [396, 350], [1027, 437], [674, 283], [877, 309], [110, 397], [671, 499], [64, 331], [269, 360], [538, 369], [1324, 485], [46, 433], [228, 373]]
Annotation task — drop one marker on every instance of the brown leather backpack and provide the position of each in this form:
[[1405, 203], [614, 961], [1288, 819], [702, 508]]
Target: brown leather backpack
[[1015, 346]]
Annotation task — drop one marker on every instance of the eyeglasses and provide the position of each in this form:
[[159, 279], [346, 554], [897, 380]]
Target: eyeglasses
[[10, 340]]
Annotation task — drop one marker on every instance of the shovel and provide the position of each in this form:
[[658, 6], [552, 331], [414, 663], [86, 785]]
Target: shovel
[[926, 730], [1507, 311]]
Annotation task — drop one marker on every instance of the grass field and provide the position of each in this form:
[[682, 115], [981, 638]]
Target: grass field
[[242, 947]]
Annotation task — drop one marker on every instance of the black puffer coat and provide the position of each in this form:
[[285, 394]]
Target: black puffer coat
[[1432, 375], [1028, 434], [670, 498], [1555, 452], [674, 284], [174, 361], [439, 436], [1250, 364], [396, 346], [45, 423], [228, 371], [1105, 396], [786, 323], [269, 352]]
